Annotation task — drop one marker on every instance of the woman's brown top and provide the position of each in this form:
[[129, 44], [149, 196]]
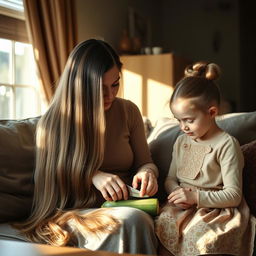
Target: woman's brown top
[[126, 148]]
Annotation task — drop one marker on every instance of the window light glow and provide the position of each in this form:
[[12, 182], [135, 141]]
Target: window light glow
[[133, 90], [158, 95]]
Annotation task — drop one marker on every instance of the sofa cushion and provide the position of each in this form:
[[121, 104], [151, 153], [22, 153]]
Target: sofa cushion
[[17, 146], [240, 125], [249, 175]]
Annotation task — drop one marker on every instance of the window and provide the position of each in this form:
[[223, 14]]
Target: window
[[19, 88], [20, 95]]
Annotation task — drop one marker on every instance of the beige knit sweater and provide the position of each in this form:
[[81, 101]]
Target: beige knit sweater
[[213, 167]]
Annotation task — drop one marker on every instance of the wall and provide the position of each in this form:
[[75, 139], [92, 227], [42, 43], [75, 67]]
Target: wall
[[248, 55], [198, 30], [106, 19], [206, 30]]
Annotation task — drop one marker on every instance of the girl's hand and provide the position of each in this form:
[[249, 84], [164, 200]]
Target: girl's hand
[[183, 197], [183, 206], [147, 180], [111, 186]]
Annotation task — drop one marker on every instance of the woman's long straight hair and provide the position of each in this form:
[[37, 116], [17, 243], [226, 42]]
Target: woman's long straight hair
[[70, 148]]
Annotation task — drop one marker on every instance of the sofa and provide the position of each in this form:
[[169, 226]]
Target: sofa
[[17, 161], [241, 125]]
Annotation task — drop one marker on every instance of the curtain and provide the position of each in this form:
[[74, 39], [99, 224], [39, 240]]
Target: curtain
[[53, 34]]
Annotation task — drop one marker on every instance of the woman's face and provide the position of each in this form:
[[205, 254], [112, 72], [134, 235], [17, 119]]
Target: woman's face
[[110, 85]]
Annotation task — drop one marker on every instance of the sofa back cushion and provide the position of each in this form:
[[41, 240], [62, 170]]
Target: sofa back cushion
[[241, 125], [17, 159]]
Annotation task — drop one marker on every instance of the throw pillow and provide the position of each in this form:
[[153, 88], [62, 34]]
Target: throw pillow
[[17, 159], [249, 175]]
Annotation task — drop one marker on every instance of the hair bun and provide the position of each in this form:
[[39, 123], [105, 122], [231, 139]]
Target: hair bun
[[210, 71]]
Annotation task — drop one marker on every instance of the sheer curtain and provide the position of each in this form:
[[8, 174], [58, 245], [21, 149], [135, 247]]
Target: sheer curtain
[[53, 34]]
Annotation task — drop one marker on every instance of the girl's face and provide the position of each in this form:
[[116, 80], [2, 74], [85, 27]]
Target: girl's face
[[194, 122], [110, 85]]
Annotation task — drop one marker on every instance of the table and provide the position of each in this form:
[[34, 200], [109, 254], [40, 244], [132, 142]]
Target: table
[[16, 248]]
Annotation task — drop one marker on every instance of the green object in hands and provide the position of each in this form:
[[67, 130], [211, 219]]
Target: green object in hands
[[149, 205]]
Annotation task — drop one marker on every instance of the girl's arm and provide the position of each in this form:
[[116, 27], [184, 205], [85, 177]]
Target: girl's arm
[[180, 197], [231, 163], [183, 197], [171, 182]]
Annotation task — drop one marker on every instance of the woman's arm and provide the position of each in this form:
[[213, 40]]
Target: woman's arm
[[146, 171], [110, 185]]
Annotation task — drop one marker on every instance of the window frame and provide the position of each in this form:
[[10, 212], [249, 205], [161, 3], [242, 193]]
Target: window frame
[[13, 27]]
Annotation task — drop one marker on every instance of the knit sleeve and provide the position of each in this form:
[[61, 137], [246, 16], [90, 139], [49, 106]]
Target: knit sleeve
[[231, 163], [171, 182], [138, 140]]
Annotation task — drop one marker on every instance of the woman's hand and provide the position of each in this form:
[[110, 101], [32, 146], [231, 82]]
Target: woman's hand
[[183, 197], [147, 180], [111, 186]]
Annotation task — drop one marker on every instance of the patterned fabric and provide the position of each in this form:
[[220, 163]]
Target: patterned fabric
[[195, 231], [192, 162]]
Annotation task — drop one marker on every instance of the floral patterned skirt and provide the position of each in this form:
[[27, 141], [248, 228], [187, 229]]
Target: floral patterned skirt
[[196, 231]]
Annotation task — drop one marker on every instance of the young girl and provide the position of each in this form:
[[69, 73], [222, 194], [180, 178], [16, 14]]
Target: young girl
[[205, 213]]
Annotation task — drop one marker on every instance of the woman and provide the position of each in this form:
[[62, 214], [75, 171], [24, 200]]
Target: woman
[[90, 144]]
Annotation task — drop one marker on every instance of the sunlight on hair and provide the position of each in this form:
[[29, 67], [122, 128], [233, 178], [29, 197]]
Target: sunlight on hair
[[91, 223], [41, 133], [68, 105], [158, 95], [133, 91], [78, 114], [102, 123]]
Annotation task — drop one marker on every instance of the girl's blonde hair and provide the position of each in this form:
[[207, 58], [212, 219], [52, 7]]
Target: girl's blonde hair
[[199, 84], [70, 148]]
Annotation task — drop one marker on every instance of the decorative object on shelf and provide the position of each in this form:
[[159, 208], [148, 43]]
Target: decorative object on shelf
[[151, 50], [157, 50], [139, 30], [146, 50], [125, 43], [136, 45]]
